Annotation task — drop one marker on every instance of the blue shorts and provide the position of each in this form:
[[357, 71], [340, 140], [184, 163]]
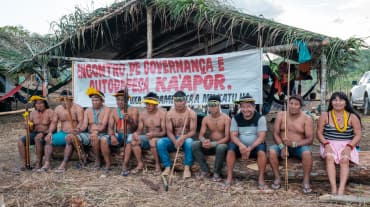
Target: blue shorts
[[32, 138], [293, 152], [119, 139], [59, 138], [253, 154], [144, 141]]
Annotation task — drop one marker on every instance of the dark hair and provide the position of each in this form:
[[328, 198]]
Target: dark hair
[[45, 103], [214, 98], [151, 95], [344, 97], [66, 93], [298, 98], [179, 94]]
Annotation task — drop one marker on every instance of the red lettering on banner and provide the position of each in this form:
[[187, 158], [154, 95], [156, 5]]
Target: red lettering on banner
[[190, 83], [179, 68], [208, 82], [198, 80], [81, 71], [186, 83], [134, 68], [202, 66], [160, 84], [209, 64], [174, 84], [219, 82], [221, 63], [187, 68]]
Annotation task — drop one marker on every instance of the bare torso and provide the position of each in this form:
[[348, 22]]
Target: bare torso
[[132, 113], [216, 126], [101, 121], [41, 120], [178, 120], [296, 126], [152, 121], [63, 116]]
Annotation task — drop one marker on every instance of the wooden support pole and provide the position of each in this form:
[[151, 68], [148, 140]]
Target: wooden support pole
[[149, 33], [323, 82]]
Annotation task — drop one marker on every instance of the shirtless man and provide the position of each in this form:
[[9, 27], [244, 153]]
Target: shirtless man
[[116, 128], [248, 133], [218, 126], [64, 136], [39, 121], [153, 121], [175, 121], [96, 121], [298, 138]]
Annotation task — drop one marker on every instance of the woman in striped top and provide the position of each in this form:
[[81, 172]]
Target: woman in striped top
[[339, 131]]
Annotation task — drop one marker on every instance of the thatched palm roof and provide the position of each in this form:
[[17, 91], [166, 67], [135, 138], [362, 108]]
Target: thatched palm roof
[[180, 28]]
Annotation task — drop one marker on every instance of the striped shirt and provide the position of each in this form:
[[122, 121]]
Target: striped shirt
[[331, 133]]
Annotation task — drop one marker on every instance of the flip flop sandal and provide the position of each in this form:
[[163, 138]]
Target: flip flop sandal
[[125, 172], [276, 186], [216, 178], [60, 170], [42, 170], [226, 186], [136, 171], [262, 187], [307, 189]]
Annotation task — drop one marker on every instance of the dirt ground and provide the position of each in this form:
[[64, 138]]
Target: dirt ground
[[88, 188]]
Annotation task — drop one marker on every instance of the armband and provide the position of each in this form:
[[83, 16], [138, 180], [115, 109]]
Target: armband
[[202, 139], [281, 146], [214, 143], [326, 143]]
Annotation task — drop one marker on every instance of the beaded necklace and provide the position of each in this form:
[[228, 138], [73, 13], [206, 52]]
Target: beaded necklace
[[345, 121]]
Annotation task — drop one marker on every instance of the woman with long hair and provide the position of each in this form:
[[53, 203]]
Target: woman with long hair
[[339, 131]]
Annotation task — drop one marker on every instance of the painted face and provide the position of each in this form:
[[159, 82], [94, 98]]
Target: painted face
[[213, 107], [180, 103], [247, 109], [120, 100], [338, 103], [150, 107], [294, 106], [97, 102], [40, 105]]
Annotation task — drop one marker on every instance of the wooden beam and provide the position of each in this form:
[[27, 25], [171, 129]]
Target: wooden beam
[[344, 199]]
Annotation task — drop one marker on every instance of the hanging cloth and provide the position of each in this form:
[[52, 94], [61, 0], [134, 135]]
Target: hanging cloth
[[303, 52]]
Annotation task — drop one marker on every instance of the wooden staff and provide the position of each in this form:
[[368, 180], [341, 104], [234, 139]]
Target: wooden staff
[[75, 141], [286, 180], [28, 138], [182, 134], [125, 110]]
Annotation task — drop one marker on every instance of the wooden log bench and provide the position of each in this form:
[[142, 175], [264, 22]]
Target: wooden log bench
[[248, 168]]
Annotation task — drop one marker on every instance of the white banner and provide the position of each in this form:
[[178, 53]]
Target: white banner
[[230, 75]]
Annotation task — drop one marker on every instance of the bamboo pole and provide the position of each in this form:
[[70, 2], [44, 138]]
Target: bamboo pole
[[286, 179], [323, 82], [149, 32]]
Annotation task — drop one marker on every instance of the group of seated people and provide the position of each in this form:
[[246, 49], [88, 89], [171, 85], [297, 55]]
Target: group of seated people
[[100, 127]]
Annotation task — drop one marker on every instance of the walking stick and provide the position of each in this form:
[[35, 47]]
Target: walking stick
[[286, 180], [182, 133], [75, 141], [28, 138]]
